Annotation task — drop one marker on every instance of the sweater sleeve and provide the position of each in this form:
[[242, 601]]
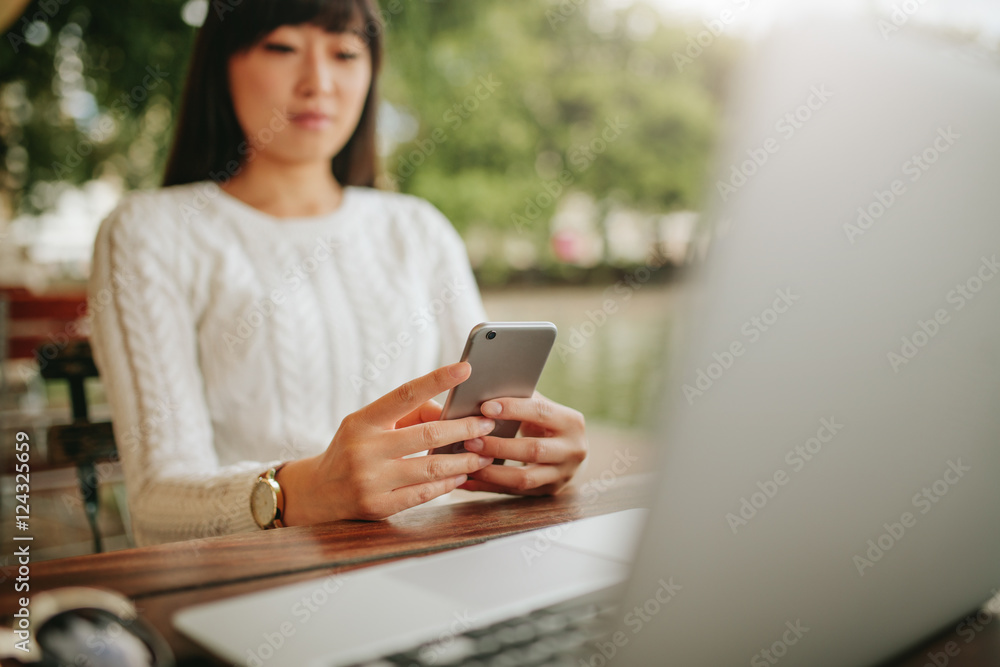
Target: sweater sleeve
[[453, 281], [144, 339]]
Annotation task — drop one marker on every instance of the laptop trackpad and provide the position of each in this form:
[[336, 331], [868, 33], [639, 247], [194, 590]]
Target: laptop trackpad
[[518, 573]]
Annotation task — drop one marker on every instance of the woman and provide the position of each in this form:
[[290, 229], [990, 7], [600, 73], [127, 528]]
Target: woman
[[268, 299]]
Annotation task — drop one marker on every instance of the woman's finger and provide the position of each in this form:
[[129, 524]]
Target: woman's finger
[[420, 437], [431, 468], [476, 485], [519, 478], [427, 412], [527, 449], [385, 411], [536, 410], [417, 494]]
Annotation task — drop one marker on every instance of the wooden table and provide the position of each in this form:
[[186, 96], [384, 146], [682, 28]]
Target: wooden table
[[163, 579]]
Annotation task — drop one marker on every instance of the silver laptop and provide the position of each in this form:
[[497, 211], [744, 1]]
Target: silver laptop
[[829, 488]]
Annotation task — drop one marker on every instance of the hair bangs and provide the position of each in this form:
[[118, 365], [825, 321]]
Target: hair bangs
[[332, 15]]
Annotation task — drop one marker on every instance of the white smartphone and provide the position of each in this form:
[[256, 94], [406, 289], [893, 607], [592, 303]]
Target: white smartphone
[[507, 359]]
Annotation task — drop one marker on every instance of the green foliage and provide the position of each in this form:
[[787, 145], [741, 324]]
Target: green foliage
[[105, 49], [561, 84]]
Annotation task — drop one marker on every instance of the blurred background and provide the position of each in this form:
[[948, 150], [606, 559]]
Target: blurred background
[[569, 141]]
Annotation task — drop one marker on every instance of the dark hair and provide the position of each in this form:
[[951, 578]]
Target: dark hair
[[208, 137]]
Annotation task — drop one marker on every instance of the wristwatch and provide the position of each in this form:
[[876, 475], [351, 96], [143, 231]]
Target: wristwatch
[[267, 502]]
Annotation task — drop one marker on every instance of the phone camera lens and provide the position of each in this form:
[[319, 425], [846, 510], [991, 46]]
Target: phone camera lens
[[491, 335]]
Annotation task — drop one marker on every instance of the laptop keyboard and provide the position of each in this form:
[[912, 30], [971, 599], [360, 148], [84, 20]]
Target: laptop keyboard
[[549, 637]]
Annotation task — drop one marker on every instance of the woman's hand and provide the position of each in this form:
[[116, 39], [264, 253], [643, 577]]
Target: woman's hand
[[551, 441], [363, 475]]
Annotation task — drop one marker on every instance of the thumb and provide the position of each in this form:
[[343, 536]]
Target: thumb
[[427, 412]]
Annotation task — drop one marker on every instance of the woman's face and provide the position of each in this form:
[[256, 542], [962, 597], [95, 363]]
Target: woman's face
[[299, 92]]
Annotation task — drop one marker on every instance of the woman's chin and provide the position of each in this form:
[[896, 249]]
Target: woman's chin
[[303, 154]]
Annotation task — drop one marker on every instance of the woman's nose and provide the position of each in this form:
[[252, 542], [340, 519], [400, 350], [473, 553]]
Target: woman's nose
[[317, 76]]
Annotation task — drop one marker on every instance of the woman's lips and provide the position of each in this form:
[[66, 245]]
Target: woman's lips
[[311, 121]]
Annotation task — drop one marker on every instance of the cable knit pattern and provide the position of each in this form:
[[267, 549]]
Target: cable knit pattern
[[229, 340]]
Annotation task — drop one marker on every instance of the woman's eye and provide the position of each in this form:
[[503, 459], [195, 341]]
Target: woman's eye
[[348, 55], [278, 48]]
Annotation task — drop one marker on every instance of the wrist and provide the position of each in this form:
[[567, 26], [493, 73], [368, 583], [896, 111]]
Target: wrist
[[294, 478]]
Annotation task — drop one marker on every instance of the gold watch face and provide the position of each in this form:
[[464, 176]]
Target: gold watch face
[[263, 503]]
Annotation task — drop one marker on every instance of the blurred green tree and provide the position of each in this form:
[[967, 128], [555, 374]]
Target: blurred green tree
[[86, 87], [561, 76]]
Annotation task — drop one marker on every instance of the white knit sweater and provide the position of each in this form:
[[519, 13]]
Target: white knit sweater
[[229, 340]]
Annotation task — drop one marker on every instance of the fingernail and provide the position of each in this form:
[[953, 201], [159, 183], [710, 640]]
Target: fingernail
[[486, 426], [491, 408], [485, 460], [474, 445], [461, 479], [458, 370]]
